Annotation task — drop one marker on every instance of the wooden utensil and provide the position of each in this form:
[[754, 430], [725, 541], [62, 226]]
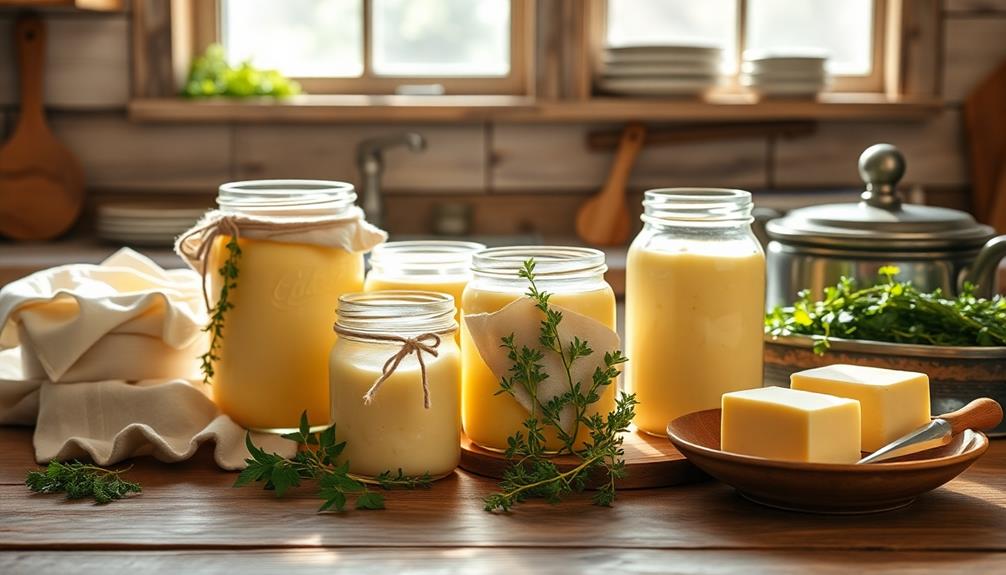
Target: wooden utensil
[[41, 183], [603, 220], [984, 117], [823, 487]]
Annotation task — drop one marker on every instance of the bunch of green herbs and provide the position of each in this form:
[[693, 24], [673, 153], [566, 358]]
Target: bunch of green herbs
[[81, 481], [212, 75], [228, 281], [316, 460], [533, 473], [892, 311]]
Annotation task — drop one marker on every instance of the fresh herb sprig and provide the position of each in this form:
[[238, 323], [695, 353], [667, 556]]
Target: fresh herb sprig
[[316, 460], [533, 473], [228, 275], [81, 481], [892, 311]]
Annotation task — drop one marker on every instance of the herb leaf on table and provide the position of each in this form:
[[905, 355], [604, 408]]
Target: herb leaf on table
[[892, 311], [81, 481], [316, 461], [532, 473]]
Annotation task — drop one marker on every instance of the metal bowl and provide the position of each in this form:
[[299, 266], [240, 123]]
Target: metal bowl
[[957, 375]]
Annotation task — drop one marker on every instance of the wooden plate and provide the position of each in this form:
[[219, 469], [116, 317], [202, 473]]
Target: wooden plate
[[823, 487], [651, 461]]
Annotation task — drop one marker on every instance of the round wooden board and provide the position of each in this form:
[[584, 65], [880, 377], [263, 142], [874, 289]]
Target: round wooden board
[[651, 462]]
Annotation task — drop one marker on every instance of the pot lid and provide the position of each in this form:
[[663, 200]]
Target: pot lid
[[880, 221]]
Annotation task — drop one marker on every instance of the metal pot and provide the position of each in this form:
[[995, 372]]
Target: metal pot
[[933, 247]]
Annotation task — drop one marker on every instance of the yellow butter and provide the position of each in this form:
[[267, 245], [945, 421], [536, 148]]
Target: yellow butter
[[791, 425], [892, 402]]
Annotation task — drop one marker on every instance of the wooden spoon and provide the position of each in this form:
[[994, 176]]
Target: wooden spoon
[[603, 220], [41, 183]]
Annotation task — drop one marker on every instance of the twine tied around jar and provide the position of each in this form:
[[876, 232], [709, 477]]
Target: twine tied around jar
[[219, 225], [423, 343]]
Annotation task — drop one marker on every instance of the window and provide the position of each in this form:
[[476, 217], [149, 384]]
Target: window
[[848, 31], [381, 46]]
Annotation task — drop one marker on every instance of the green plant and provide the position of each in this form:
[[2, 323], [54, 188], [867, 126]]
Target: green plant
[[211, 75], [316, 460], [532, 472], [80, 481], [228, 281], [892, 311]]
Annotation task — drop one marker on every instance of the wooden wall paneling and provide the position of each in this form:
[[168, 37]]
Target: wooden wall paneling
[[119, 155], [934, 151], [454, 159], [555, 157], [972, 48], [153, 71], [974, 6], [914, 46], [87, 61]]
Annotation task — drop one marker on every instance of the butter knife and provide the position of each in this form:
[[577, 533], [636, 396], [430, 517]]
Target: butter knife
[[981, 414]]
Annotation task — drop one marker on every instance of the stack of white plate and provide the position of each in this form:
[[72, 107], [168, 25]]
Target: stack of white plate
[[660, 70], [785, 76], [145, 224]]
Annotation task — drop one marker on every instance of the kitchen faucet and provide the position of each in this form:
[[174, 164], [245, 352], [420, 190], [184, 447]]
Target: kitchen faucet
[[370, 161]]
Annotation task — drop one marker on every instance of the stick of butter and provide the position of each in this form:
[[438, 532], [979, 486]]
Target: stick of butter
[[791, 425], [893, 402]]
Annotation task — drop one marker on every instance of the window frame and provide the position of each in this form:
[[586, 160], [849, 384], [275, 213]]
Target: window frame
[[874, 82], [205, 26]]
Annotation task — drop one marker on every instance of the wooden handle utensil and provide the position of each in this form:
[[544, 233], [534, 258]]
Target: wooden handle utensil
[[603, 220]]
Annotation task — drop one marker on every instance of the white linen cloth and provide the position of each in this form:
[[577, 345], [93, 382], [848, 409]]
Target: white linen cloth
[[123, 319]]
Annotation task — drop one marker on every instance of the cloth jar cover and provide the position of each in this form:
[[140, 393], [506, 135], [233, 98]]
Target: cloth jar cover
[[123, 320]]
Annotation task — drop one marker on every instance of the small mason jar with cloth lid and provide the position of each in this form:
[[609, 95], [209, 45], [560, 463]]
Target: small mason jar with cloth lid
[[396, 389], [275, 258]]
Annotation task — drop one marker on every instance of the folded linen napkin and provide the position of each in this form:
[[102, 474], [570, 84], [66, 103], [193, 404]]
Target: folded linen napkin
[[125, 319]]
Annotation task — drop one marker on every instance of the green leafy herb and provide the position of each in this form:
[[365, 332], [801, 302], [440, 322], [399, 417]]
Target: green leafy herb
[[533, 473], [211, 75], [228, 275], [80, 481], [316, 460], [892, 311]]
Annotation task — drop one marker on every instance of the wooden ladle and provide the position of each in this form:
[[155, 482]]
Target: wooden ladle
[[603, 220], [41, 183]]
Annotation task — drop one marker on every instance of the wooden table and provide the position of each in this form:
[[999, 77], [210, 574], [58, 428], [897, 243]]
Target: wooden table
[[190, 520]]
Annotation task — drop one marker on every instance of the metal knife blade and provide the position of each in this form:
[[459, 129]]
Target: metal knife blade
[[937, 432]]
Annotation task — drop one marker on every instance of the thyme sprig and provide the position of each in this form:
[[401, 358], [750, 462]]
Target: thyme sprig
[[317, 460], [229, 274], [81, 481], [532, 472], [892, 311]]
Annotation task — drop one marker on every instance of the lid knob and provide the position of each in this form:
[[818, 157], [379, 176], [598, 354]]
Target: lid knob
[[881, 167]]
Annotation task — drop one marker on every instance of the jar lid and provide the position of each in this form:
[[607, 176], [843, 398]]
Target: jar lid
[[880, 221]]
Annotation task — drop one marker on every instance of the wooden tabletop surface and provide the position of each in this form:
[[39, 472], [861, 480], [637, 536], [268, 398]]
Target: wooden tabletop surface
[[190, 520]]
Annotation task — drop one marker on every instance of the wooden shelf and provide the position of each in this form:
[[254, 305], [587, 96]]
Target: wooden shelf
[[94, 5], [441, 109]]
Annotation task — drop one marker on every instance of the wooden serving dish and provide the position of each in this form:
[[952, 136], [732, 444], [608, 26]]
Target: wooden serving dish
[[823, 487]]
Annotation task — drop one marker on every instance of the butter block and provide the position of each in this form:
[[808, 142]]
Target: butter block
[[791, 425], [892, 402]]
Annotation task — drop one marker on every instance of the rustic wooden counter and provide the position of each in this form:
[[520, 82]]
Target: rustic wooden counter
[[190, 520]]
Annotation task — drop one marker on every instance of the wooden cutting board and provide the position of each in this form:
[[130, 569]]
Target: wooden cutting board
[[41, 183], [652, 462]]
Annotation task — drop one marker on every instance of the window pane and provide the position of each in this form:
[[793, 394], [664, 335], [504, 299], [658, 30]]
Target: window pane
[[671, 22], [841, 28], [441, 37], [300, 38]]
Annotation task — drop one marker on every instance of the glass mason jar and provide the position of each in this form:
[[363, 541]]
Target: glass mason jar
[[438, 266], [396, 429], [274, 352], [575, 278], [695, 303]]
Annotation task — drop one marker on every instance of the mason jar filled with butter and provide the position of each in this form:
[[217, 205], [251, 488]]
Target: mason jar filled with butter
[[695, 303], [574, 277], [439, 266], [394, 374], [276, 256]]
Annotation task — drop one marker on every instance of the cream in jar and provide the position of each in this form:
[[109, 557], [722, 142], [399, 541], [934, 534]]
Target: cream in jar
[[575, 278], [695, 301], [394, 375]]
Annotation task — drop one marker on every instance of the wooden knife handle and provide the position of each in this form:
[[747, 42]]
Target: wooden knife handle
[[29, 38], [981, 414]]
